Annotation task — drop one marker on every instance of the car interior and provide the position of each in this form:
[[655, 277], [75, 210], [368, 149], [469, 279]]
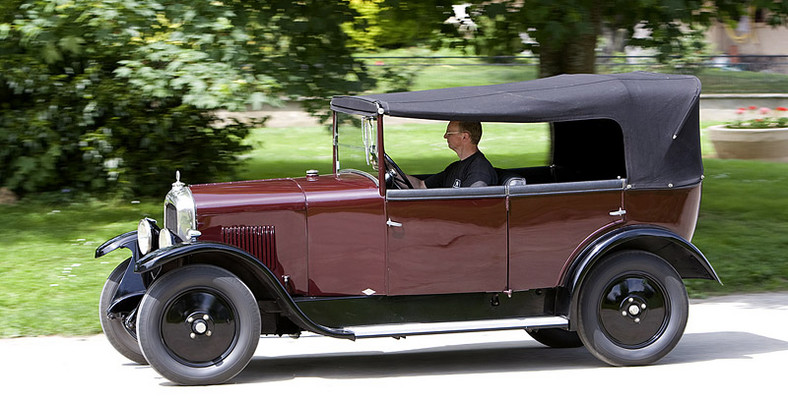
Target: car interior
[[582, 150]]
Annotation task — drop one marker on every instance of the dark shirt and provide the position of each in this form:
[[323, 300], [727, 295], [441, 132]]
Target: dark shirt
[[464, 173]]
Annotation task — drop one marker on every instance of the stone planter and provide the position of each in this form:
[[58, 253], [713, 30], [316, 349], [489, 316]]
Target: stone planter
[[767, 144]]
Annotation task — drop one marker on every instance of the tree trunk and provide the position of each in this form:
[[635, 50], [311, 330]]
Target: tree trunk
[[575, 54], [575, 57]]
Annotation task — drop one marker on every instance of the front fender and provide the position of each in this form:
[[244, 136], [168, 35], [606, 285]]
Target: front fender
[[131, 286], [126, 240], [242, 264]]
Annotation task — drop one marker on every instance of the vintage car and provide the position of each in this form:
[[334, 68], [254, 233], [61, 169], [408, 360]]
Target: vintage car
[[590, 249]]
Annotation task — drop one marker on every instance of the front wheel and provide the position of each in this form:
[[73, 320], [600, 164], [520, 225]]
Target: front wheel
[[120, 329], [198, 325], [633, 309]]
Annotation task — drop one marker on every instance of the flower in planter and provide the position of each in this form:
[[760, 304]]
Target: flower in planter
[[755, 117], [782, 119]]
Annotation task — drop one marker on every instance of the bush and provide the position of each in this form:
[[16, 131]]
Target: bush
[[110, 95], [84, 130]]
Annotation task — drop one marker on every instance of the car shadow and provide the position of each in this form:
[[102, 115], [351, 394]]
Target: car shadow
[[527, 356], [709, 346]]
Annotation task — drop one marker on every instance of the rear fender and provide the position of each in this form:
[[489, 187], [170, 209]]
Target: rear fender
[[260, 280], [688, 261]]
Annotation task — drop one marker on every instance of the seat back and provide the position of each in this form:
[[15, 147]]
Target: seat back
[[509, 178]]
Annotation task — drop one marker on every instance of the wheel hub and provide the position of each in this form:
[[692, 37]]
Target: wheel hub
[[634, 311], [634, 308], [199, 327], [201, 324]]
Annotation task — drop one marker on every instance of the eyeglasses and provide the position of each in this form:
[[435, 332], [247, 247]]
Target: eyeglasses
[[451, 133]]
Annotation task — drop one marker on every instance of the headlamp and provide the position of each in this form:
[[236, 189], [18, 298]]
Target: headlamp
[[147, 235], [166, 238]]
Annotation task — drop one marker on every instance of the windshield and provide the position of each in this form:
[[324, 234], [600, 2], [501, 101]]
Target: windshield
[[356, 139]]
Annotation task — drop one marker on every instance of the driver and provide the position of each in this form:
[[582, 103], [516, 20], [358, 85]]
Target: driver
[[472, 170]]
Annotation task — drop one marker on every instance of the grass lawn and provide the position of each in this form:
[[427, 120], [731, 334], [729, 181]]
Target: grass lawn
[[417, 148], [50, 282], [743, 225], [434, 72]]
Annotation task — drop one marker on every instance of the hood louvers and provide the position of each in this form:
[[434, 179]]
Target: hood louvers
[[259, 241]]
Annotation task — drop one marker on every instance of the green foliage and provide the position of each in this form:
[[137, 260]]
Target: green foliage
[[495, 36], [565, 32], [365, 29], [114, 95], [387, 24]]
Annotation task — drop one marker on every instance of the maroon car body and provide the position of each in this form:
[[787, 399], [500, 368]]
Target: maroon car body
[[588, 250]]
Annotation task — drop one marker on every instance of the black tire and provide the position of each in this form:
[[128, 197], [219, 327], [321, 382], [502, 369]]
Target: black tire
[[198, 325], [121, 331], [633, 309], [556, 337]]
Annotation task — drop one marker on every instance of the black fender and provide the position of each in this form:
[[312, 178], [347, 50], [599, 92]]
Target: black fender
[[249, 269], [688, 261], [126, 240], [131, 287]]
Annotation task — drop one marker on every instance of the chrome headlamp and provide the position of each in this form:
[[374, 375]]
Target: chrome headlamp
[[147, 235]]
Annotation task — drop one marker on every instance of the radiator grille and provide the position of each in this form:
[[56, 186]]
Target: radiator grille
[[171, 218], [259, 241]]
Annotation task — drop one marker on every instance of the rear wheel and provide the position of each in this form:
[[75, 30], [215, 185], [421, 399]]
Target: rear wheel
[[198, 325], [121, 328], [633, 309]]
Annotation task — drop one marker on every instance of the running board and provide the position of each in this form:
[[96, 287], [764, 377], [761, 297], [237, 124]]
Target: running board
[[396, 330]]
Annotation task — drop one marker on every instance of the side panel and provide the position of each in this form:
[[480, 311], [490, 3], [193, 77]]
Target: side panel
[[450, 245], [675, 209], [346, 231], [545, 230]]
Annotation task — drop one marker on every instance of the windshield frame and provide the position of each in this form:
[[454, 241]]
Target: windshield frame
[[379, 147]]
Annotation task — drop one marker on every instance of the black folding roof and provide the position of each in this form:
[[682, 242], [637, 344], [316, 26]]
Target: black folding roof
[[657, 113]]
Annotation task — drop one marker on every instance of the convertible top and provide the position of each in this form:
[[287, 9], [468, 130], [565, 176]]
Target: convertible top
[[657, 114]]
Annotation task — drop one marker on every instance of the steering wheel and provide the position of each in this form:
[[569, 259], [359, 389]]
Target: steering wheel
[[396, 174]]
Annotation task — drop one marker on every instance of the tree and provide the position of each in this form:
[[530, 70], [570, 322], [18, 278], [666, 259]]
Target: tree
[[386, 24], [567, 31], [99, 95]]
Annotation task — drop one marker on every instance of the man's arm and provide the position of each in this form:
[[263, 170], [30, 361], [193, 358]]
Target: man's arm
[[415, 181]]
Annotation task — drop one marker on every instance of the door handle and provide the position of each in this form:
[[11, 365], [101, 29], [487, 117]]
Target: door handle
[[393, 224], [620, 212]]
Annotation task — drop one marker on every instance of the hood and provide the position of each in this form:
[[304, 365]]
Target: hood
[[247, 196]]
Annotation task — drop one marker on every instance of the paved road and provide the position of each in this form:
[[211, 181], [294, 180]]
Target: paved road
[[735, 348]]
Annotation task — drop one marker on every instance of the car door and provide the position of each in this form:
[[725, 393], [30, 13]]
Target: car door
[[444, 241], [548, 223]]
